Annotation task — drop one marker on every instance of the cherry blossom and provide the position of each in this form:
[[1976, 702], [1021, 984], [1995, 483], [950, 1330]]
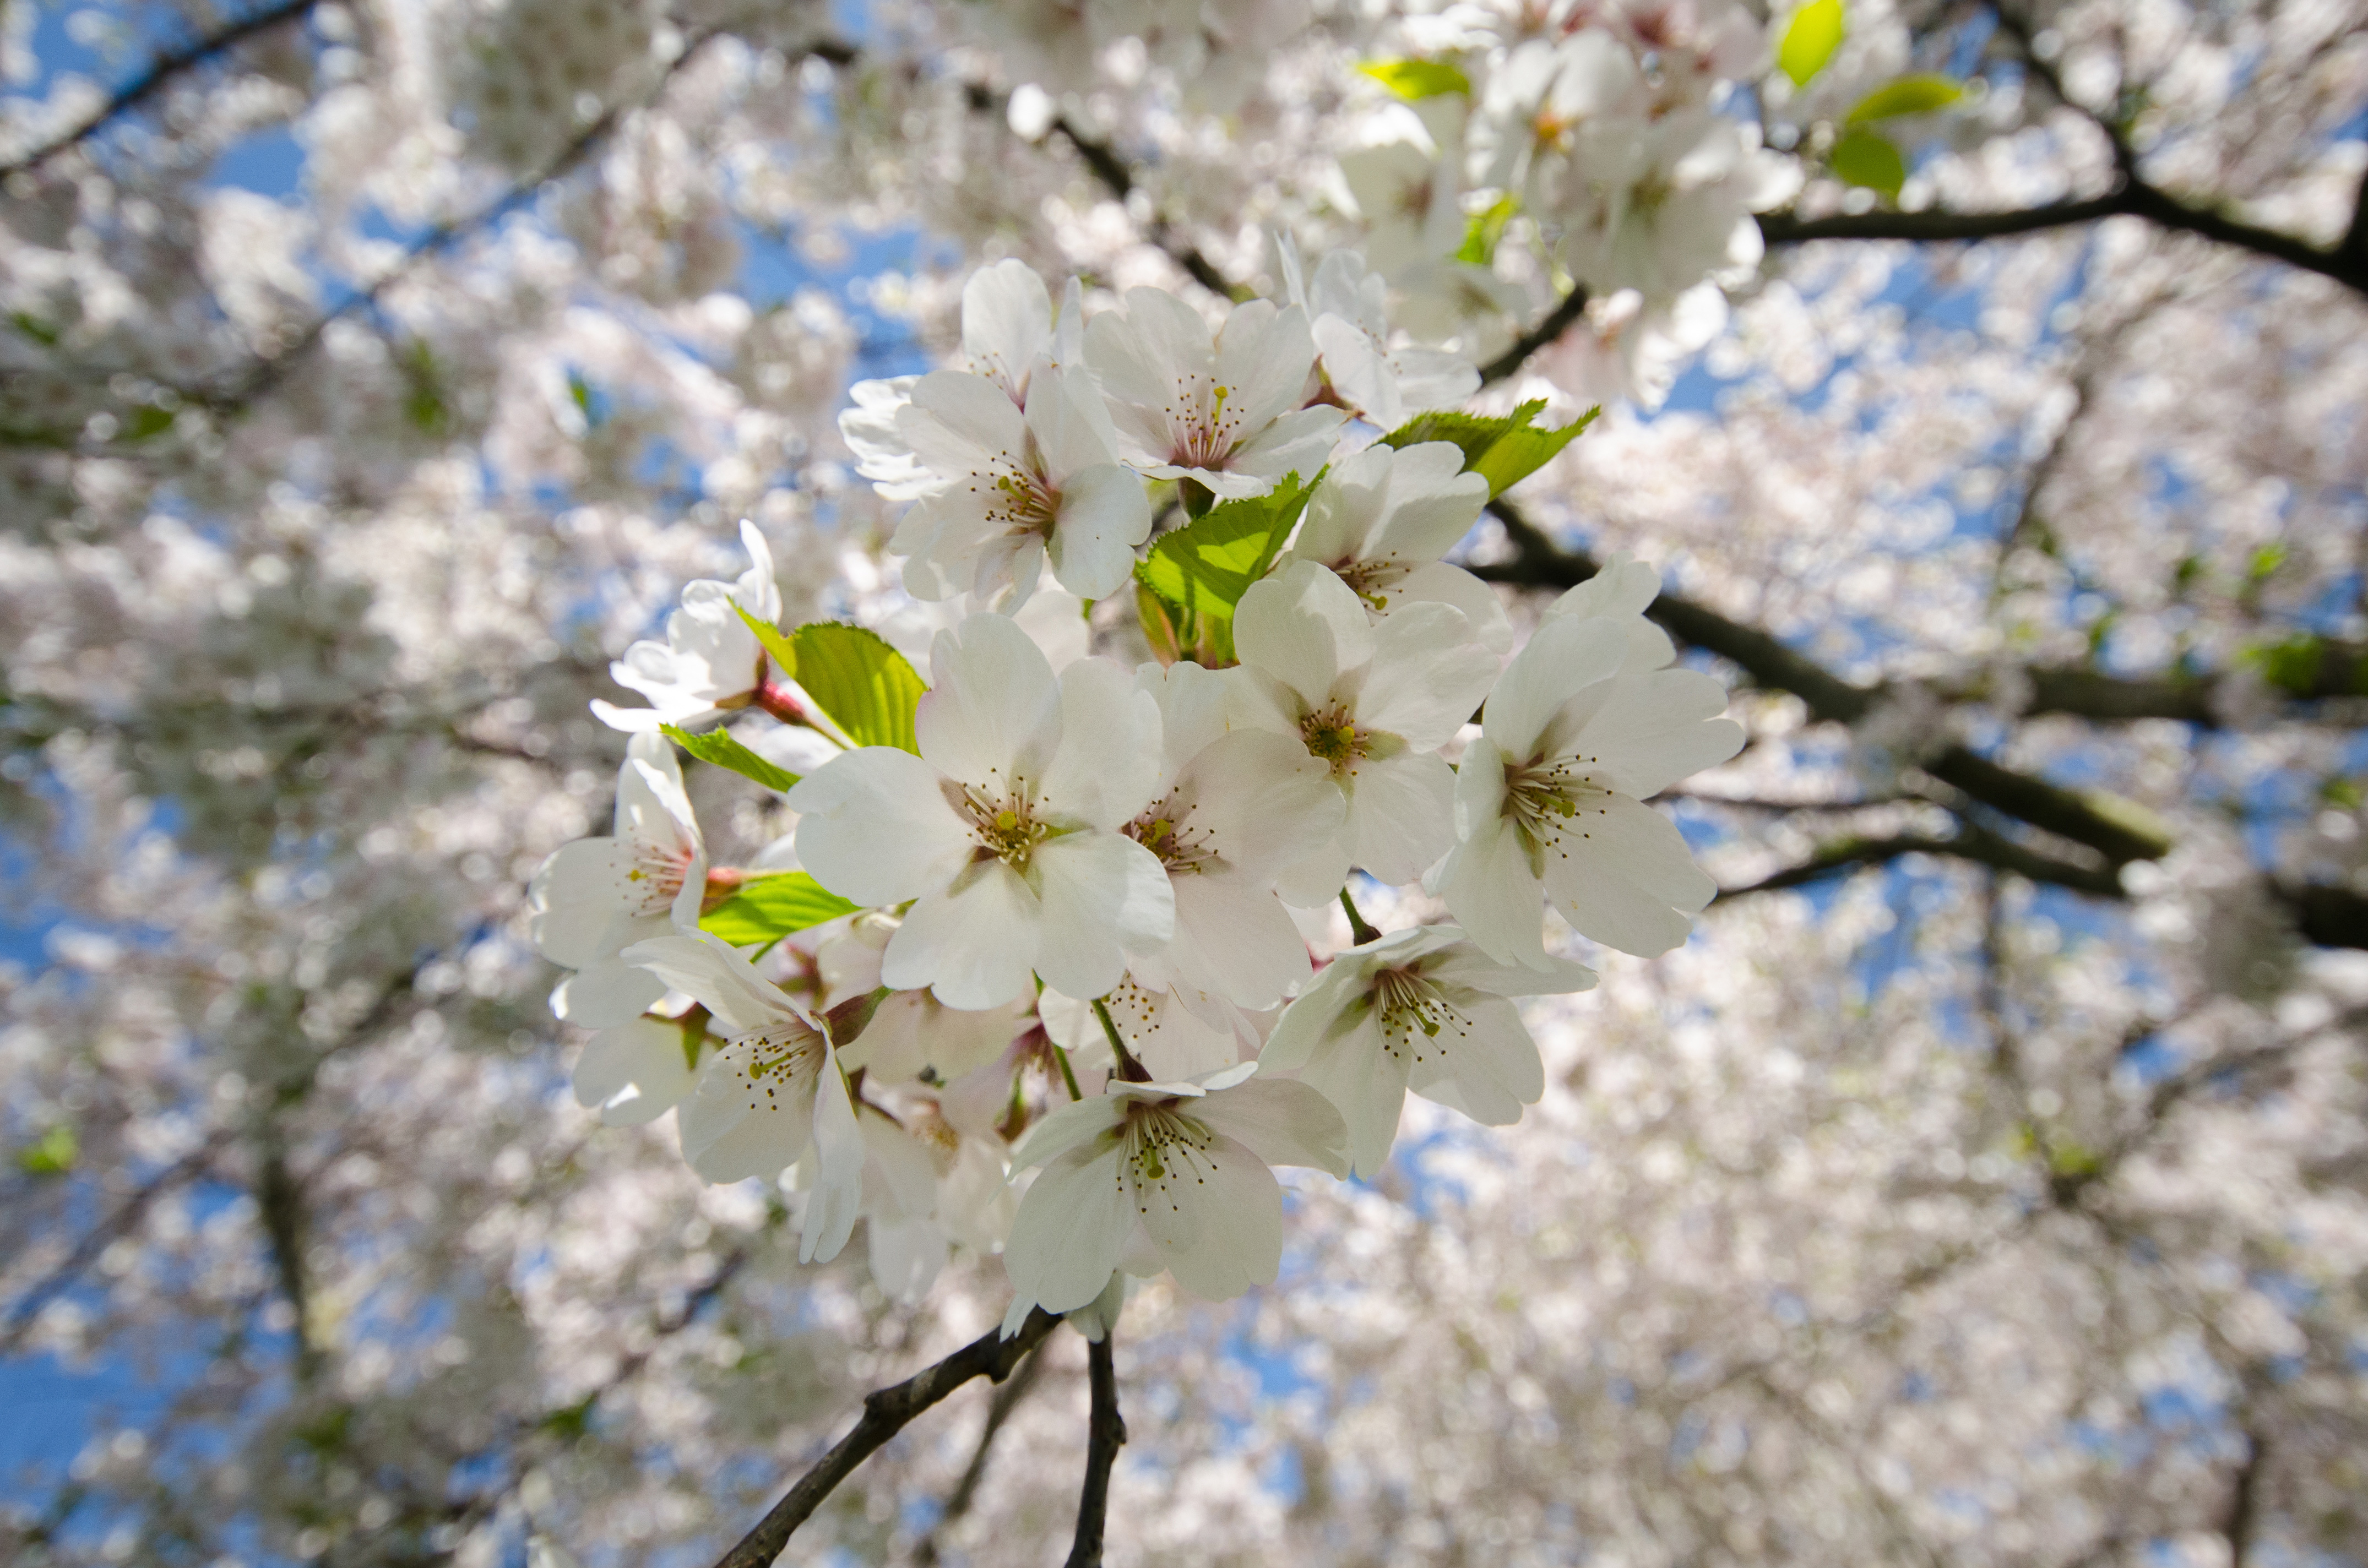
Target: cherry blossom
[[711, 663]]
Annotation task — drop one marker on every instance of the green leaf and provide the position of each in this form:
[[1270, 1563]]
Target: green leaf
[[1919, 94], [1810, 40], [33, 327], [1504, 449], [775, 640], [717, 746], [1207, 565], [52, 1154], [768, 908], [2292, 666], [1863, 158], [1483, 229], [864, 686], [1414, 80], [147, 420]]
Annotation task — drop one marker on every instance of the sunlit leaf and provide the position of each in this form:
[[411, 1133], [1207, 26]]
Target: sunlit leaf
[[767, 908], [1810, 40]]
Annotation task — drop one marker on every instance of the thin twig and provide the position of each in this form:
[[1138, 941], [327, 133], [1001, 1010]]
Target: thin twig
[[1007, 1398], [160, 73], [1551, 327], [1105, 1432], [886, 1413]]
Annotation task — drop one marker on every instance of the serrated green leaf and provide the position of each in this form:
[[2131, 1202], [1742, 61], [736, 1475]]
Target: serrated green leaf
[[718, 747], [775, 640], [1864, 158], [768, 908], [863, 685], [1919, 94], [1483, 229], [1415, 80], [1504, 448], [1206, 566], [1810, 40], [52, 1154]]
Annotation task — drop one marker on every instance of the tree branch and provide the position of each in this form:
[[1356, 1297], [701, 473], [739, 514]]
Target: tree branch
[[1007, 1398], [160, 73], [1549, 328], [1104, 1434], [886, 1413], [1969, 843]]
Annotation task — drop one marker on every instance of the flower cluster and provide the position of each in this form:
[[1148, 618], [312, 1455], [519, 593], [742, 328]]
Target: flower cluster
[[1055, 922]]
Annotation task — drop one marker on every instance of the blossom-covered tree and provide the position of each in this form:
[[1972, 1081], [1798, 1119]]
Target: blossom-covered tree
[[1595, 767]]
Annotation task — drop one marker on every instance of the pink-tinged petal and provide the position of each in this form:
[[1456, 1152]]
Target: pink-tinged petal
[[634, 1073], [972, 946], [1103, 896], [1303, 628], [1401, 814], [1234, 937], [1367, 1085], [876, 826], [994, 713], [1215, 1214], [1427, 676], [1562, 658], [1072, 1221], [1282, 1123]]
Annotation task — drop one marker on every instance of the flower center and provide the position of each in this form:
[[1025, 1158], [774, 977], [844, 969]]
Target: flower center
[[1028, 506], [1333, 735], [1167, 832], [1006, 828], [778, 1056], [1409, 1007], [1549, 799], [1162, 1152], [1210, 438], [655, 879]]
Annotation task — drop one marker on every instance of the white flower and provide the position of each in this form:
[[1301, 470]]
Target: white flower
[[711, 663], [772, 1092], [634, 1073], [1018, 488], [1348, 308], [1580, 731], [1382, 519], [1232, 808], [1180, 1167], [1168, 1038], [1421, 1009], [1658, 205], [881, 453], [596, 897], [1222, 409], [1003, 828], [1374, 702], [927, 1186]]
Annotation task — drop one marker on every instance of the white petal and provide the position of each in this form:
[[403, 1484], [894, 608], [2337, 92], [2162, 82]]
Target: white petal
[[1259, 798], [1367, 1085], [837, 1151], [1066, 1128], [1435, 582], [875, 827], [972, 946], [1282, 1123], [994, 713], [608, 993], [578, 898], [1427, 676], [1007, 320], [1318, 1014], [725, 984], [1103, 896], [1489, 888], [1215, 1215], [1234, 937], [1108, 761], [1104, 514], [1303, 628], [1621, 873], [634, 1073], [1559, 660], [1065, 1240], [739, 1122], [1490, 1059], [1401, 814]]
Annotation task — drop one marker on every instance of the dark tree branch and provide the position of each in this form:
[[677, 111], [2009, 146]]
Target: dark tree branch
[[1550, 327], [1104, 1434], [160, 73], [1969, 843], [957, 1502], [126, 1216], [2243, 1502], [885, 1412], [1112, 170], [2326, 916]]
